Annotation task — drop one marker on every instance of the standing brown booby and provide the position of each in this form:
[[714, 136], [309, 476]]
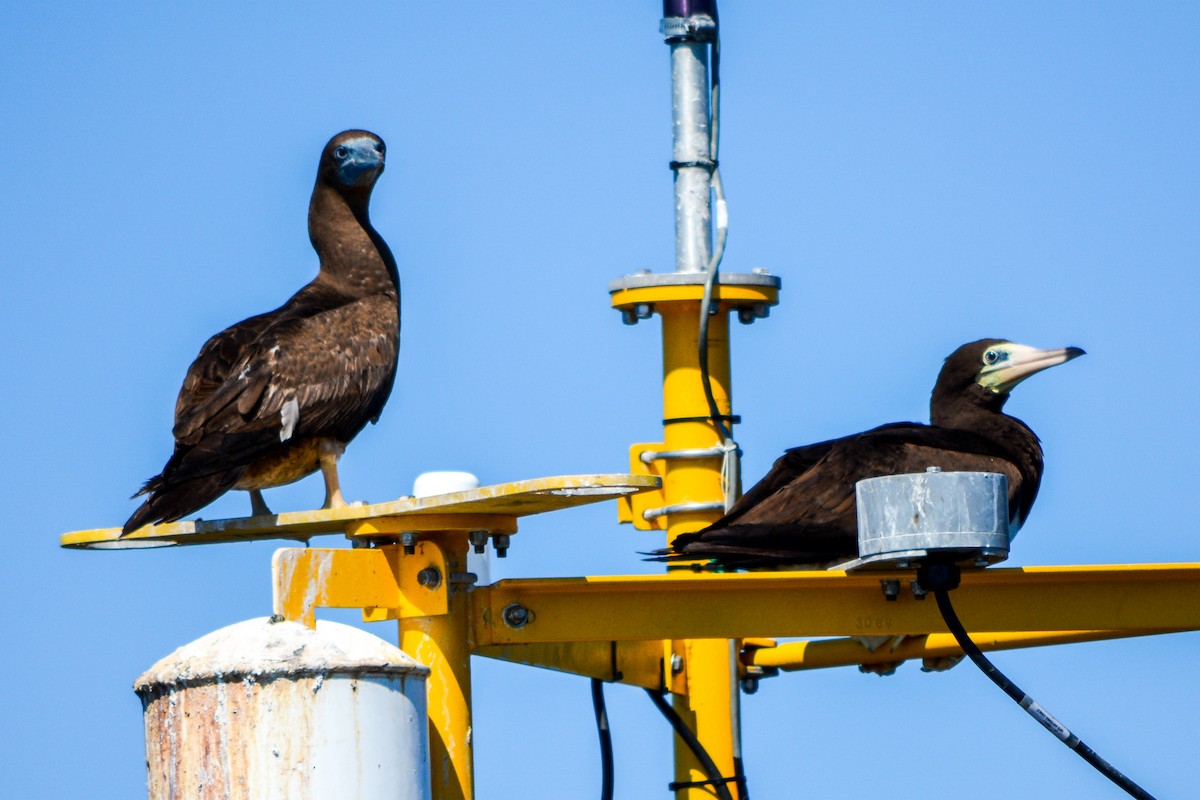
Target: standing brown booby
[[803, 512], [279, 395]]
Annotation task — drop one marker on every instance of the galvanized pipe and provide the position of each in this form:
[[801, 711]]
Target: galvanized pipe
[[691, 154]]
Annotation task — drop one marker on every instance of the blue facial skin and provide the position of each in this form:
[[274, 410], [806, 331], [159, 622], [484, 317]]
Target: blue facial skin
[[358, 159]]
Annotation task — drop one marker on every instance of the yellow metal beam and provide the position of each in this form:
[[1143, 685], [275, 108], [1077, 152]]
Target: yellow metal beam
[[635, 663], [1145, 598], [516, 499], [794, 656]]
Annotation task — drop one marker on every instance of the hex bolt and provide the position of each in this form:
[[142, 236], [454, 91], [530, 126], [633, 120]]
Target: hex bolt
[[463, 578], [676, 663], [500, 542], [478, 541], [750, 685], [644, 310], [918, 590], [629, 316], [409, 540], [746, 315], [430, 578], [516, 615], [891, 590]]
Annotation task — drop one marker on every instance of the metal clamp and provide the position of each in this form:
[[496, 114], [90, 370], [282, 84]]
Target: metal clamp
[[649, 456], [683, 508]]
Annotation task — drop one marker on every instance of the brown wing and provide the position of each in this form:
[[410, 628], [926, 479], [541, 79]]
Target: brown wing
[[324, 374], [216, 360], [811, 517]]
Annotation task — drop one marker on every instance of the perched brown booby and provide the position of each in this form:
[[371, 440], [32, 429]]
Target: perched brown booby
[[279, 395], [802, 513]]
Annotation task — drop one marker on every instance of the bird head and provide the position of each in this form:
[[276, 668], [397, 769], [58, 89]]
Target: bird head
[[352, 161], [984, 372]]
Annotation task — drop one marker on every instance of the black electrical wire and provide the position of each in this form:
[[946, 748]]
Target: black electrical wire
[[715, 779], [1026, 702], [606, 748]]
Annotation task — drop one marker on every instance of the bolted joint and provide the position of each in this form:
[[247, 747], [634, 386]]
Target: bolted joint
[[478, 540], [891, 590], [500, 542], [637, 312], [516, 616], [409, 541], [430, 578], [747, 314]]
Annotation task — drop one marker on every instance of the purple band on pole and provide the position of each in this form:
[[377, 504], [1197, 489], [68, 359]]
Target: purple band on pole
[[689, 8]]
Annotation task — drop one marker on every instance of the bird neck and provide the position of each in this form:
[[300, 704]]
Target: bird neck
[[979, 410], [354, 258]]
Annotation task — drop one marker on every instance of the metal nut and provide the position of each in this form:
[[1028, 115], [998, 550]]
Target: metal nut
[[430, 578], [500, 542], [516, 615]]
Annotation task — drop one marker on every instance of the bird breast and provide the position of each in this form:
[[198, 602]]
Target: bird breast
[[287, 465]]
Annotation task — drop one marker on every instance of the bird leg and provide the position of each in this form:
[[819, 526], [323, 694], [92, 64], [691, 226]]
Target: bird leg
[[329, 453], [258, 506]]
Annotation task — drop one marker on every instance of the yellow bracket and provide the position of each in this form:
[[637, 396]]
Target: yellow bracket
[[383, 582], [632, 507]]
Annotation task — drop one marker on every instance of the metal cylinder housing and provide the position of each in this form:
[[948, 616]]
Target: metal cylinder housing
[[268, 710], [907, 518]]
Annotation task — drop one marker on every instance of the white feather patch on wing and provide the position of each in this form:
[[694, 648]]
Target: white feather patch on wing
[[289, 415]]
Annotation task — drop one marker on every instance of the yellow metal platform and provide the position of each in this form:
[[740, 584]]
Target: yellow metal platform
[[489, 504]]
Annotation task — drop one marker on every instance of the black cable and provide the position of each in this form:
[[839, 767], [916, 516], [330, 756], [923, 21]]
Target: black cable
[[715, 780], [606, 748], [1026, 702]]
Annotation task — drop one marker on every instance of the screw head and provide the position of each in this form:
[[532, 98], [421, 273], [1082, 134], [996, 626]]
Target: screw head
[[500, 542], [516, 615], [430, 578]]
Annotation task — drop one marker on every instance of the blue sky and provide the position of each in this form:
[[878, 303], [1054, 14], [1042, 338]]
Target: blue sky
[[921, 175]]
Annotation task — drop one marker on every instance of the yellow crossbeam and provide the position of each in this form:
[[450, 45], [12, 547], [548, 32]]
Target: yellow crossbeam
[[634, 663], [794, 656], [1141, 598]]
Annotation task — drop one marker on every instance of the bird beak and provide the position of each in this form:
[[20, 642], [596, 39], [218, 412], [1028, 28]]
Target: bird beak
[[1018, 362], [363, 162]]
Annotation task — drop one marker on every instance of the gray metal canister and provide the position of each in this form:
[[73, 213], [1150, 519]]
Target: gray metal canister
[[963, 515]]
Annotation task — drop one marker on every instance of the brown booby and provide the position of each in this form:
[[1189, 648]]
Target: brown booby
[[279, 395], [802, 513]]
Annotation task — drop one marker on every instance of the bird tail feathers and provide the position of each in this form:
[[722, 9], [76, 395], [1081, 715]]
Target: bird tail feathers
[[167, 503]]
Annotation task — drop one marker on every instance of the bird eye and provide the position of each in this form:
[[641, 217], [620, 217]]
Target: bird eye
[[991, 357], [341, 152]]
